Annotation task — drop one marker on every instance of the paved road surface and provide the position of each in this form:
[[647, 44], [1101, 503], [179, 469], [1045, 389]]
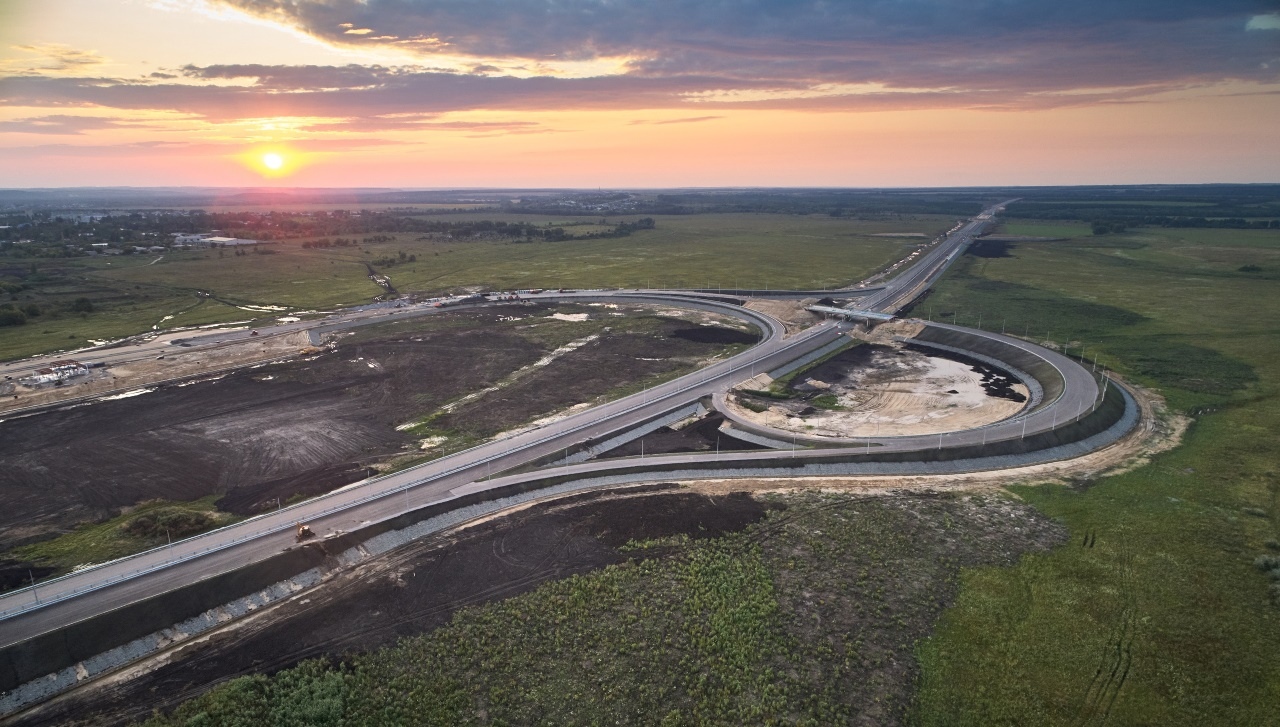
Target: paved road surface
[[81, 595]]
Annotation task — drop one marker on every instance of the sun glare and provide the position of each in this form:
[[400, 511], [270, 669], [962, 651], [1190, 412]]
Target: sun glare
[[272, 161]]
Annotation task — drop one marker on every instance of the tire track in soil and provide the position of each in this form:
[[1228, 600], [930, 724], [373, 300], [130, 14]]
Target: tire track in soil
[[1117, 658]]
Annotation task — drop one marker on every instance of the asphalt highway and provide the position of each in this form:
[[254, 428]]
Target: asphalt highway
[[59, 602], [79, 595]]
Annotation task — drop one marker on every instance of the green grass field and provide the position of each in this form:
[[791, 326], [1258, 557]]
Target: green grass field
[[1162, 619], [141, 528], [1153, 613], [132, 294]]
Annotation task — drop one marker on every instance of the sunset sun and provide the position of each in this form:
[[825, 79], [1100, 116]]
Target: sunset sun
[[272, 161]]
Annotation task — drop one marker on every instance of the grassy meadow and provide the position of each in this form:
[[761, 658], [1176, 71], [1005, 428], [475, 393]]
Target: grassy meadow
[[1155, 614], [131, 294]]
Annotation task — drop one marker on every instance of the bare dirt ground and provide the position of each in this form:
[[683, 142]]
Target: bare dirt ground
[[791, 312], [886, 391], [173, 366], [878, 567], [1158, 431], [309, 424]]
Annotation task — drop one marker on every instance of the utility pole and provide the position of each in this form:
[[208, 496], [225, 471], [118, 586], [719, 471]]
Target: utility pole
[[33, 586]]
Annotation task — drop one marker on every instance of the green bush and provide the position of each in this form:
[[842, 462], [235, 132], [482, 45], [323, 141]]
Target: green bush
[[12, 317], [174, 522]]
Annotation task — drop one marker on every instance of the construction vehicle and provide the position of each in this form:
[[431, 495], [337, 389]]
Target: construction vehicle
[[304, 532]]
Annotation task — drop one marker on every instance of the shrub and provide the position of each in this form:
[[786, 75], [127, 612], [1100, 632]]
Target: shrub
[[82, 305], [12, 317], [1266, 562], [173, 521]]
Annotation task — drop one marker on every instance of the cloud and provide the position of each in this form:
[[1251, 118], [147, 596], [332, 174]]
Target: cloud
[[334, 92], [425, 123], [687, 120], [700, 56], [51, 58], [975, 44], [61, 125], [1264, 22], [180, 148]]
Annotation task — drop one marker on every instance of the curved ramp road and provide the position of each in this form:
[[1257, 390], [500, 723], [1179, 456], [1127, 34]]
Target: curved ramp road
[[57, 603]]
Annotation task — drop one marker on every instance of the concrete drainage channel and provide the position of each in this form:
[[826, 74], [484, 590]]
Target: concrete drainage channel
[[49, 664]]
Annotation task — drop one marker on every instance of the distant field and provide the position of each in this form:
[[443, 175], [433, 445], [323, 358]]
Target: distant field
[[133, 293], [1163, 618], [304, 207], [1042, 229]]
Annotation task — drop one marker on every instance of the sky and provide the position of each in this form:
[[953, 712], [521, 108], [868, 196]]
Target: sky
[[638, 93]]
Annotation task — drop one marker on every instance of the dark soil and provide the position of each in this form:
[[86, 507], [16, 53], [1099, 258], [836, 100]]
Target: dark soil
[[995, 382], [839, 365], [303, 427], [18, 573], [614, 359], [983, 247], [187, 442], [418, 588], [253, 499], [700, 436], [715, 334]]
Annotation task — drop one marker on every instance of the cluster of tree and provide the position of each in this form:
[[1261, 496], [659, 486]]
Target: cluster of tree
[[836, 203], [392, 261], [325, 242], [1103, 227], [560, 234], [13, 314]]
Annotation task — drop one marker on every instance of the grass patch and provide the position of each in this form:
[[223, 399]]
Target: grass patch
[[1155, 614], [804, 618], [131, 295], [140, 528]]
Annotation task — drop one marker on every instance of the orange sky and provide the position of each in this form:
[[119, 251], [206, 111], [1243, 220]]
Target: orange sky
[[194, 92]]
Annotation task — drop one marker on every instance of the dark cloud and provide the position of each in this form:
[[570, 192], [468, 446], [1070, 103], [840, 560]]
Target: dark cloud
[[704, 55], [1041, 44], [589, 28], [334, 92]]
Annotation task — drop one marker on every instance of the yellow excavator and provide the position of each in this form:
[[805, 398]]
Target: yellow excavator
[[304, 532]]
